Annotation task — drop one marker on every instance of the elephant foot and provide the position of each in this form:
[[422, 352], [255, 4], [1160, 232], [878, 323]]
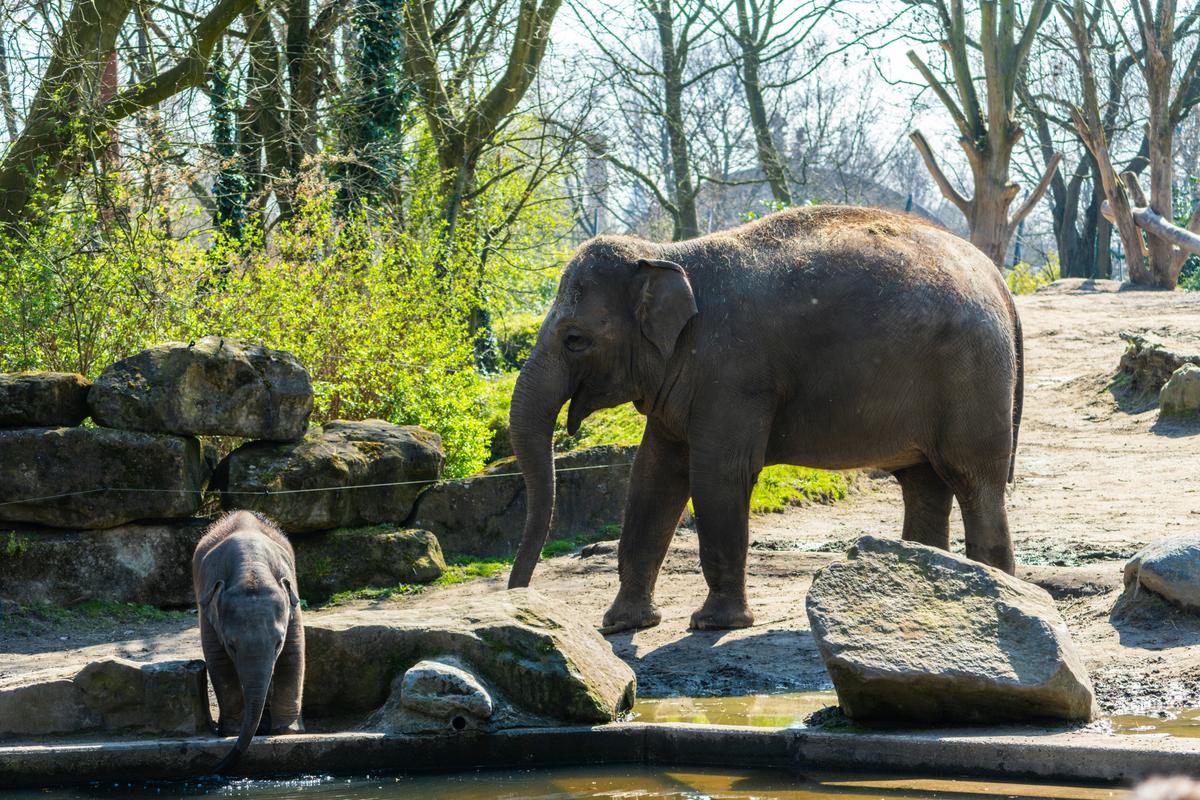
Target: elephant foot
[[228, 727], [626, 616], [721, 612], [294, 726]]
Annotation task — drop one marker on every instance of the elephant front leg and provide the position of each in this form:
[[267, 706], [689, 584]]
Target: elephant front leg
[[658, 493], [222, 674], [287, 684], [721, 497]]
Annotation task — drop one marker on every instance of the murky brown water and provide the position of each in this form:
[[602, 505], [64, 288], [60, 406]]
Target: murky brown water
[[788, 710], [625, 783], [759, 710]]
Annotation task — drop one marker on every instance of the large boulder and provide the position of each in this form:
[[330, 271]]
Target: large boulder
[[42, 399], [150, 563], [313, 484], [535, 652], [110, 695], [98, 477], [213, 386], [1170, 568], [358, 558], [1149, 362], [1180, 395], [916, 634], [485, 514]]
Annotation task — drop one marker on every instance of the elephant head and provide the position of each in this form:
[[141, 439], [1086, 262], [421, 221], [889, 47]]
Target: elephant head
[[606, 340], [251, 618]]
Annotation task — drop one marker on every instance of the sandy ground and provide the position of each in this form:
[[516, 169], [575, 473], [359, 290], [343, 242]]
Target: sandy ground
[[1097, 476]]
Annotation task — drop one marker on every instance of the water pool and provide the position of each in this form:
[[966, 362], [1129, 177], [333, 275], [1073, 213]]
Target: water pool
[[600, 783]]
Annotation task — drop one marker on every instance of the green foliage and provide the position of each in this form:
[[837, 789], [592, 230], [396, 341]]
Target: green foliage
[[230, 185], [515, 337], [461, 568], [783, 485], [1025, 278], [375, 108], [15, 545]]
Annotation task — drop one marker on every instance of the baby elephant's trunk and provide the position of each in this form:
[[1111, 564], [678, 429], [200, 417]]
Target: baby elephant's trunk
[[254, 694]]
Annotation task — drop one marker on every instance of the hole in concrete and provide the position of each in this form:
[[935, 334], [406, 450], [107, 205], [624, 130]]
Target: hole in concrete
[[459, 722]]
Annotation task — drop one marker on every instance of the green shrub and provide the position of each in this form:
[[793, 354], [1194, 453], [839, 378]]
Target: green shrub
[[515, 337], [1024, 278]]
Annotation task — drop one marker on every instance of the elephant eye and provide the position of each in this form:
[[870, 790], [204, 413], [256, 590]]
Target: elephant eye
[[577, 343]]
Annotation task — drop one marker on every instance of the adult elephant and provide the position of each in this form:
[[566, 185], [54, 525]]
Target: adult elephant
[[832, 337]]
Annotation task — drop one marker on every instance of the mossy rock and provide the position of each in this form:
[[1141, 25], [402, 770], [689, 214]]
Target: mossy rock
[[359, 558], [534, 651]]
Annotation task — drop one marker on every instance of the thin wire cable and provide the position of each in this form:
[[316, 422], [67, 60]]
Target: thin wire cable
[[143, 490]]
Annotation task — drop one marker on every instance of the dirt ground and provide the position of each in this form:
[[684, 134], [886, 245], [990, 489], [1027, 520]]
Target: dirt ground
[[1097, 476]]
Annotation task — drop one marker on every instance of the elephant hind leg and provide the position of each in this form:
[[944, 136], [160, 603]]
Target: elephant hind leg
[[980, 489], [927, 501]]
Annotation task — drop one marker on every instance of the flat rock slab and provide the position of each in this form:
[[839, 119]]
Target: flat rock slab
[[42, 399], [164, 697], [335, 459], [214, 386], [357, 558], [166, 475], [916, 634], [1170, 568], [485, 514], [149, 563], [544, 660]]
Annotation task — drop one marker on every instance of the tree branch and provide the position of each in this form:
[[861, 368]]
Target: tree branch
[[948, 191]]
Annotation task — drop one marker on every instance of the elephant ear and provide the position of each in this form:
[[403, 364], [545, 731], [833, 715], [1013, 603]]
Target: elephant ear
[[208, 603], [666, 302], [293, 598]]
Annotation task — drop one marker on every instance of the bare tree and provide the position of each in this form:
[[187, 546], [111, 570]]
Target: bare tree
[[657, 64], [69, 122], [1154, 260], [463, 122], [989, 127]]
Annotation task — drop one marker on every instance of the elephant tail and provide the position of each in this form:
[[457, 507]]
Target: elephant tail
[[1018, 389]]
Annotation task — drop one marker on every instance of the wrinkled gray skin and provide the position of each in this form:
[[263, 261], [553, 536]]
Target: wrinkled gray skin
[[244, 576], [830, 337]]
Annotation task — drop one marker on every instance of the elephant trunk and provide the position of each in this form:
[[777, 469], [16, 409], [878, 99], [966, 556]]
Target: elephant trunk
[[255, 686], [542, 388]]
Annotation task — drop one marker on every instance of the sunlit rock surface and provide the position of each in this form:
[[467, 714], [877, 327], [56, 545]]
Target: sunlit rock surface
[[214, 386], [81, 474], [111, 695], [913, 633], [544, 661], [42, 399], [1170, 568], [347, 461]]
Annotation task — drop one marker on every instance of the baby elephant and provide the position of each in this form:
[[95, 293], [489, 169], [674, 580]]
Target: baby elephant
[[244, 576]]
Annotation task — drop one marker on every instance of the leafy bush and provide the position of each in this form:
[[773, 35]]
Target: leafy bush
[[375, 314], [1025, 278], [515, 337]]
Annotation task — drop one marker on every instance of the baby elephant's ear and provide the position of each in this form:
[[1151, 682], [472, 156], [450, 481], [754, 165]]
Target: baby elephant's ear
[[291, 590], [209, 605], [665, 304]]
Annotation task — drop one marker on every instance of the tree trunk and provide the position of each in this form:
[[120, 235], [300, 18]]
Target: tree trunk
[[683, 193], [769, 158], [38, 162]]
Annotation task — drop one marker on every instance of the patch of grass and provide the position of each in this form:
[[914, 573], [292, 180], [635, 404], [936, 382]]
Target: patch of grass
[[461, 568], [87, 616], [15, 545], [783, 485]]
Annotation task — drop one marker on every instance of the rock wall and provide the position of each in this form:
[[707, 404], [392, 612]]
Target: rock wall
[[485, 514]]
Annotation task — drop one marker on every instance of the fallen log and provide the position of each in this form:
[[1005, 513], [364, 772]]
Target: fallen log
[[1154, 223]]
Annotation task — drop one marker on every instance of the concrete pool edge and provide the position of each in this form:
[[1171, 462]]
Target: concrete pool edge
[[1037, 753]]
